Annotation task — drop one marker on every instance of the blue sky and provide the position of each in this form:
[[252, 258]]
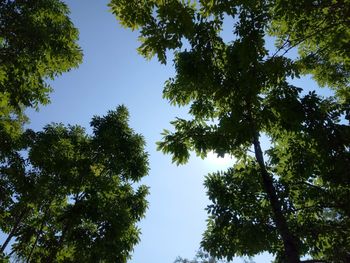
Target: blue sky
[[112, 73]]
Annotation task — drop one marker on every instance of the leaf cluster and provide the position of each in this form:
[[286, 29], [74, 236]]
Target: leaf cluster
[[70, 196], [37, 42]]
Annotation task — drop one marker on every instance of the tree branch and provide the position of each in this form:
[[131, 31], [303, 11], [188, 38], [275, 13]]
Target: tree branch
[[289, 241], [38, 234], [314, 261], [13, 230]]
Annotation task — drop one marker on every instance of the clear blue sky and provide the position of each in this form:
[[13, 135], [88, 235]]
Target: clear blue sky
[[112, 73]]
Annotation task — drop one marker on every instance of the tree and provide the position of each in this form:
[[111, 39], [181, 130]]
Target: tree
[[201, 257], [291, 198], [37, 42], [65, 196], [71, 195], [204, 257]]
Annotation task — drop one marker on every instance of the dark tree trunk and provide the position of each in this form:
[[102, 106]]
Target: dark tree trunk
[[289, 241], [13, 231], [59, 245], [38, 233]]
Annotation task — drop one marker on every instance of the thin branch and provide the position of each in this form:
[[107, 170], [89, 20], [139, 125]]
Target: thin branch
[[309, 207], [13, 230], [314, 261], [298, 42], [281, 47], [39, 233], [310, 185]]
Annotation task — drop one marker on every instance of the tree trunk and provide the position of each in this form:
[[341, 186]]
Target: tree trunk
[[290, 245], [59, 245], [13, 231], [39, 233]]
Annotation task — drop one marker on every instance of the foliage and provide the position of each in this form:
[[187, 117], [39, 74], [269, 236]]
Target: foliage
[[321, 31], [70, 197], [65, 196], [201, 257], [37, 43], [294, 202]]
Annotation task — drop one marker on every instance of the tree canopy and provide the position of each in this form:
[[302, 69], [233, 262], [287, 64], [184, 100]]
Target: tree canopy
[[290, 200], [65, 196], [69, 196], [37, 42]]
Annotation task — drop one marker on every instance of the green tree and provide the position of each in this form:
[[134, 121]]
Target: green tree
[[37, 42], [201, 257], [71, 195], [205, 257], [290, 200]]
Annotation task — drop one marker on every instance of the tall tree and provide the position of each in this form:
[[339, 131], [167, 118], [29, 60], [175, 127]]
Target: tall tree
[[65, 196], [286, 198], [37, 43], [72, 195]]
